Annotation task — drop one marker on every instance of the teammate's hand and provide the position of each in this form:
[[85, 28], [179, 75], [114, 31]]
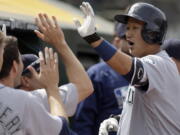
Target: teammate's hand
[[110, 124], [48, 77], [88, 27], [50, 31]]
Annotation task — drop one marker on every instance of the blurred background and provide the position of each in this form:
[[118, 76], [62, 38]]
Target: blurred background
[[18, 15]]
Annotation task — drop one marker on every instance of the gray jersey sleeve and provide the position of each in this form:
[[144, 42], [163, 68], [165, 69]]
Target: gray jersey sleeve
[[37, 120], [156, 70], [69, 96], [153, 65]]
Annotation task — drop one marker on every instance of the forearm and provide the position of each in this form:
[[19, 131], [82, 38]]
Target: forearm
[[55, 102], [76, 72], [119, 61]]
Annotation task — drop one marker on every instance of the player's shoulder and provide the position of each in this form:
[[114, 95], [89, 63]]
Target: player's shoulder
[[16, 95], [68, 87], [160, 59], [16, 92]]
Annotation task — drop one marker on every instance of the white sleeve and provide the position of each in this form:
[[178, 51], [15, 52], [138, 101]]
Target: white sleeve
[[155, 68], [69, 96], [37, 120]]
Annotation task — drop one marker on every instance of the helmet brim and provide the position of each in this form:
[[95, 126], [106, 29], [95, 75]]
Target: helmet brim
[[124, 18], [121, 18]]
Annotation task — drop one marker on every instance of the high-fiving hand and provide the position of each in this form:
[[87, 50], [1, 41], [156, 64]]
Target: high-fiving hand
[[49, 72], [88, 27], [50, 31]]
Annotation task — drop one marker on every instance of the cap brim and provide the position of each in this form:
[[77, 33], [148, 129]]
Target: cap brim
[[121, 18], [124, 18]]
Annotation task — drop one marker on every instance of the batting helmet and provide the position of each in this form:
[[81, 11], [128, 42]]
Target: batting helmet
[[120, 30], [155, 21]]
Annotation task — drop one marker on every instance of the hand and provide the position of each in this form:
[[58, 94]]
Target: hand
[[50, 31], [110, 124], [48, 77], [88, 27]]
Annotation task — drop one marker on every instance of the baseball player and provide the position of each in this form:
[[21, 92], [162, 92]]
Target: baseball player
[[19, 110], [11, 78], [71, 93], [29, 82], [151, 103], [108, 95]]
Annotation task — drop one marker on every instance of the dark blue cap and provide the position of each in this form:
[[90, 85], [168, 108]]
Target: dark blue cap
[[30, 60], [172, 47], [120, 30]]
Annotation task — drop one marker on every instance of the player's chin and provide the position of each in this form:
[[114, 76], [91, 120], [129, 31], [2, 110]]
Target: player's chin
[[135, 53], [132, 52]]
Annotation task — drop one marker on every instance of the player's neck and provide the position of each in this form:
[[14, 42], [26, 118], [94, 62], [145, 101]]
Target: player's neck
[[7, 82], [153, 49]]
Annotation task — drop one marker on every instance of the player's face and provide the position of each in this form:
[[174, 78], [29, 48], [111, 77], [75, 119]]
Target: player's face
[[138, 47], [19, 71], [29, 83]]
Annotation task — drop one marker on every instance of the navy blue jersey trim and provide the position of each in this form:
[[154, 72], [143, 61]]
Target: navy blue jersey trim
[[136, 74], [65, 128]]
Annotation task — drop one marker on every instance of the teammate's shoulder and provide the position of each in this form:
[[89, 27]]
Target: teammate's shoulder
[[68, 86], [98, 67], [39, 92]]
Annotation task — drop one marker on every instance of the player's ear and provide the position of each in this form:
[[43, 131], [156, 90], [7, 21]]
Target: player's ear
[[15, 67]]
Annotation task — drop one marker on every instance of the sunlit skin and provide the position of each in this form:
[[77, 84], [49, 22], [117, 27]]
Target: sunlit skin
[[138, 47], [1, 55], [20, 66]]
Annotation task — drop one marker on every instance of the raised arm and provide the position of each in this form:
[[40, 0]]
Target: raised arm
[[49, 69], [53, 34], [118, 60]]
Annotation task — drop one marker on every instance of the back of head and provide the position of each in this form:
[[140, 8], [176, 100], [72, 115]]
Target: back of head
[[30, 60], [28, 81], [172, 47], [11, 53], [2, 38], [155, 27]]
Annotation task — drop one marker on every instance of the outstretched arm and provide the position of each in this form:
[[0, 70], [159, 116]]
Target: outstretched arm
[[118, 60], [53, 34]]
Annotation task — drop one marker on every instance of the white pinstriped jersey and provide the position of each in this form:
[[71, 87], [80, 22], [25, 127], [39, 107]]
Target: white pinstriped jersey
[[22, 113], [156, 111], [69, 96]]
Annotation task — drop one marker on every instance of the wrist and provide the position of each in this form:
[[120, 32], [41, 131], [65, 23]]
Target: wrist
[[52, 89], [59, 44], [92, 38], [105, 50]]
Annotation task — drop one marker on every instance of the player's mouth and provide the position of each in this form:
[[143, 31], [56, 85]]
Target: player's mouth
[[130, 43]]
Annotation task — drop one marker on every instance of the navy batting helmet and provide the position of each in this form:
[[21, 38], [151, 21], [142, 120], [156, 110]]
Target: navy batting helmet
[[155, 21], [120, 30]]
